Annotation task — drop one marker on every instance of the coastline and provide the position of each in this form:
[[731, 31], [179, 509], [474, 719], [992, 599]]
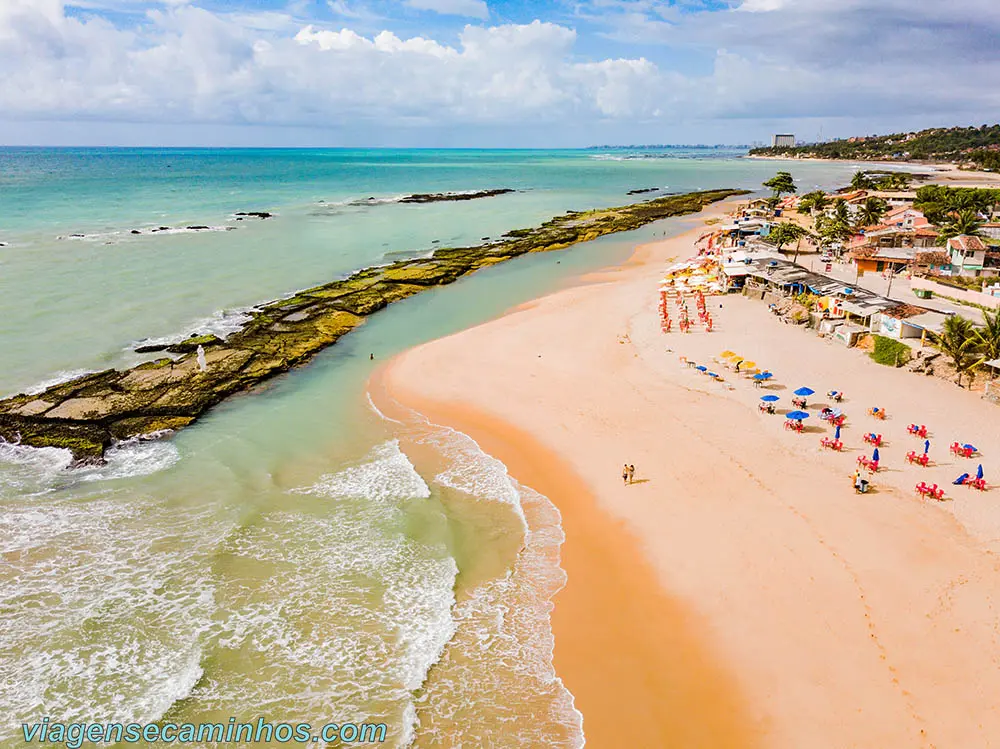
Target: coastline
[[940, 173], [806, 613], [621, 643]]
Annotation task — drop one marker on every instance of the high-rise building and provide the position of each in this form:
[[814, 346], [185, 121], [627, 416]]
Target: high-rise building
[[783, 140]]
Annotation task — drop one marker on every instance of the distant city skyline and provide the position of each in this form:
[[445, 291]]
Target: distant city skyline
[[489, 73]]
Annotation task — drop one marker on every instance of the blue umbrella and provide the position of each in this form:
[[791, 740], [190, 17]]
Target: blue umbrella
[[760, 377], [770, 398], [927, 446], [804, 391], [797, 415], [979, 471], [836, 435], [712, 374], [701, 368], [875, 455], [969, 447], [767, 375]]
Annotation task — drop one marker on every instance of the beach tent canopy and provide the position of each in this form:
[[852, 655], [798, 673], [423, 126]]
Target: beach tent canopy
[[803, 391], [770, 398], [797, 415]]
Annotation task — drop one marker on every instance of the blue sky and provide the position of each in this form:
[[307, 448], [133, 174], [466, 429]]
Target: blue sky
[[489, 72]]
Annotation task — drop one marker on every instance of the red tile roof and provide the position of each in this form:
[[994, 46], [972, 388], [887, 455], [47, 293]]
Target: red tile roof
[[966, 243]]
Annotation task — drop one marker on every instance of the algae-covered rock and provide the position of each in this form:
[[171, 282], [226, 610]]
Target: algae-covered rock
[[90, 413]]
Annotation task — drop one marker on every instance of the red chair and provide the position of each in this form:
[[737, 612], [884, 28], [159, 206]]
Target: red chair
[[979, 484], [832, 444], [933, 492], [917, 431], [918, 458], [877, 412], [873, 439], [961, 450]]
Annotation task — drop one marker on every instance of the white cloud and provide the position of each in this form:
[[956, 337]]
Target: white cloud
[[184, 64], [467, 8]]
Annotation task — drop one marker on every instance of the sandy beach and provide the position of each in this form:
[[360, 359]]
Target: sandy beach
[[939, 174], [739, 593]]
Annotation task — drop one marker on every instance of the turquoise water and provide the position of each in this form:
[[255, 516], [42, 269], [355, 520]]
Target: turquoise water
[[293, 555]]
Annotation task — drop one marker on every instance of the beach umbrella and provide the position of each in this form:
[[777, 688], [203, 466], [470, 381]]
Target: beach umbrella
[[701, 368], [797, 415], [836, 435], [967, 446], [712, 374], [727, 354], [875, 455], [979, 472], [760, 376], [804, 391], [766, 375], [770, 398], [748, 364], [927, 446]]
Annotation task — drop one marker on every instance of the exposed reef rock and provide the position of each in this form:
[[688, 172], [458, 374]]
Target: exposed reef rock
[[252, 214], [88, 414], [642, 190], [440, 197]]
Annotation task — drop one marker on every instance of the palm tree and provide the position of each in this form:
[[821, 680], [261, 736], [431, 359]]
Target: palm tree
[[861, 181], [813, 201], [840, 212], [956, 224], [872, 211], [781, 183], [989, 335], [960, 343]]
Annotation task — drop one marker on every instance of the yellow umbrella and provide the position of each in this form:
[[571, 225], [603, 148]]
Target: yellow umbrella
[[748, 365], [733, 356], [727, 354]]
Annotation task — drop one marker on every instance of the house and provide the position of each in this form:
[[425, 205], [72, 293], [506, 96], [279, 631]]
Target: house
[[968, 255], [884, 259], [991, 230], [908, 321], [896, 198], [883, 236], [905, 216]]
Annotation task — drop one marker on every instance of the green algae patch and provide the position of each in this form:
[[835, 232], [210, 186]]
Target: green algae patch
[[89, 414]]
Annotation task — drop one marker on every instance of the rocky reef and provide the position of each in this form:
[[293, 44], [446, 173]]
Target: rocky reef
[[439, 197], [90, 413]]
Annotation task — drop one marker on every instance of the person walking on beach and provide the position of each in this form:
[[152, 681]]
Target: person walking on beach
[[625, 474], [631, 474]]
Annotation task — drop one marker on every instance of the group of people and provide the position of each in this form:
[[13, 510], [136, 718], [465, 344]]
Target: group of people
[[628, 474]]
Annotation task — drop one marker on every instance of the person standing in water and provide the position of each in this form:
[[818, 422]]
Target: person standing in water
[[625, 474]]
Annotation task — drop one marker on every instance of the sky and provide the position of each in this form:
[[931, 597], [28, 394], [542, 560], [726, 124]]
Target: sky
[[490, 73]]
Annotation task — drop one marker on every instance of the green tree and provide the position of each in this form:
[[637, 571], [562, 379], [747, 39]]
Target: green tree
[[960, 342], [861, 181], [780, 184], [956, 224], [782, 234], [840, 212], [813, 201], [989, 335], [872, 211]]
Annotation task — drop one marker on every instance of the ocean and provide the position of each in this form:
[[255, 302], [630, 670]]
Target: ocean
[[294, 555]]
